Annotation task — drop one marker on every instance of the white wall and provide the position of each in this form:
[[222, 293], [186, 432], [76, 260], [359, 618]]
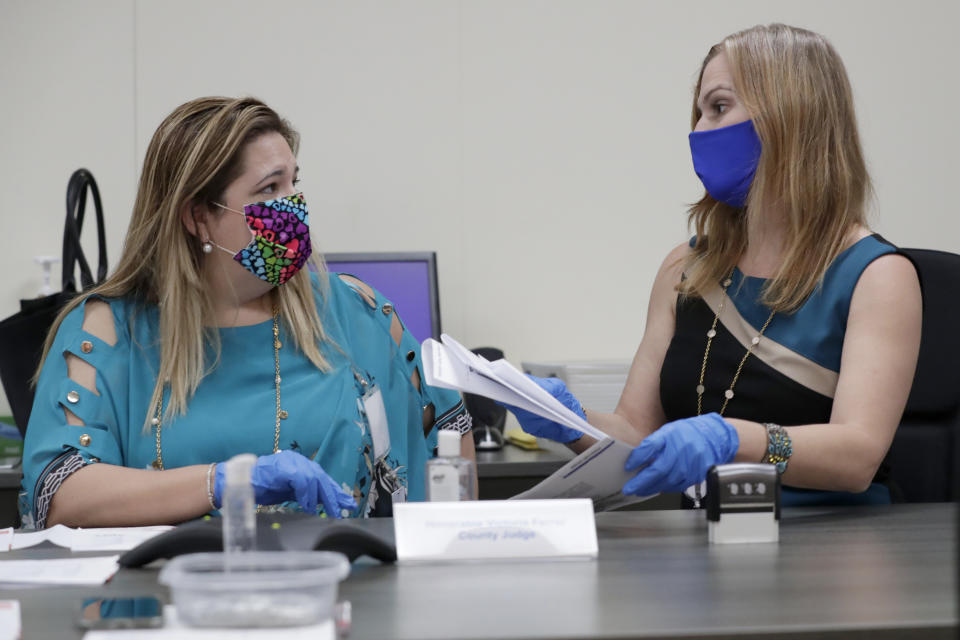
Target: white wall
[[538, 146], [68, 101]]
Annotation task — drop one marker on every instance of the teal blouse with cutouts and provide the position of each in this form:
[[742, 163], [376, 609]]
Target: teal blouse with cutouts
[[234, 408]]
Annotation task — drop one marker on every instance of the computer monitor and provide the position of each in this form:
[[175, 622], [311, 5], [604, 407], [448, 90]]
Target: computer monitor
[[407, 279]]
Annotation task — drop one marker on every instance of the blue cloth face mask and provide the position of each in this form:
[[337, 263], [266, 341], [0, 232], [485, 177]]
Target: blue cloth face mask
[[726, 160]]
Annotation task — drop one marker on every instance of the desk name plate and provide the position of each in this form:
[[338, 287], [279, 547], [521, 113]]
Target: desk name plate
[[494, 529]]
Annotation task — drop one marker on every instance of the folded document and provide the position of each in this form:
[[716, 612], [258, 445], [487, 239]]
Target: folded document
[[597, 473]]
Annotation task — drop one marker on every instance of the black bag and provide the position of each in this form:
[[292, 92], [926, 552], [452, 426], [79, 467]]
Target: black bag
[[22, 334]]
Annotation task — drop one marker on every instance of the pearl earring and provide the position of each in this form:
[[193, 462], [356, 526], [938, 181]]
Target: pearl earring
[[207, 247]]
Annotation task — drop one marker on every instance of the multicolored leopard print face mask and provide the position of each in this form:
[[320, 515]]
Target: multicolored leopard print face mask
[[280, 244]]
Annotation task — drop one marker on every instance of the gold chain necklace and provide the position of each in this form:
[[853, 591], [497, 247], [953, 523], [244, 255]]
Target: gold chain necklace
[[728, 394], [280, 413]]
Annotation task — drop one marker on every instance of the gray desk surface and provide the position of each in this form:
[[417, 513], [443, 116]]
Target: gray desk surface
[[867, 572], [514, 461]]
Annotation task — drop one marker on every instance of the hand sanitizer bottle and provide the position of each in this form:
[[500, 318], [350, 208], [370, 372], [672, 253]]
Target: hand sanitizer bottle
[[449, 476], [239, 508]]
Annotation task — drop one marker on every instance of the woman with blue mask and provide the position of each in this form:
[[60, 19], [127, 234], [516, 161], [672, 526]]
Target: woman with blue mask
[[785, 331], [212, 338]]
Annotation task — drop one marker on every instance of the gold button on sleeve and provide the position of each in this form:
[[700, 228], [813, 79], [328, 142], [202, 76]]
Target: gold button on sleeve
[[86, 346], [84, 440], [73, 397], [387, 308]]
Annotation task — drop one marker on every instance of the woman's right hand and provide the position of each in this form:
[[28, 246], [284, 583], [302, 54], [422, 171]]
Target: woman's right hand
[[288, 475], [544, 427]]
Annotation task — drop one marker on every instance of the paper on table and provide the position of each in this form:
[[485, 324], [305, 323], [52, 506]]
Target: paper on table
[[10, 620], [59, 570], [174, 628], [597, 473], [97, 539]]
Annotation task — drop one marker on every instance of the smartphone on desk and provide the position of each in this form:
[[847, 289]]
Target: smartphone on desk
[[145, 612]]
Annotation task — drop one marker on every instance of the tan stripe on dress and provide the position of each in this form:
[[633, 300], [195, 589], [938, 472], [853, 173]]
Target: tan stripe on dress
[[798, 368]]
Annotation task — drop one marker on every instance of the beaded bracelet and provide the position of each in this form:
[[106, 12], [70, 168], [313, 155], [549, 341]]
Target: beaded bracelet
[[210, 469], [779, 447]]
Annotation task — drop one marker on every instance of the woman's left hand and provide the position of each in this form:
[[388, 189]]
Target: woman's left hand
[[678, 454], [288, 475]]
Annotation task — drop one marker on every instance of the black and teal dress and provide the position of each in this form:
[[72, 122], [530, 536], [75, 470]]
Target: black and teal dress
[[791, 376]]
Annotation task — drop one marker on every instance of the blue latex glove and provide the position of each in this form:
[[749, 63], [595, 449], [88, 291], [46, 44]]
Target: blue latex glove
[[288, 475], [542, 427], [678, 454]]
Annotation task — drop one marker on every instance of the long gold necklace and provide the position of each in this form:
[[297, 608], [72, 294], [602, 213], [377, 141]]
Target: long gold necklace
[[728, 394], [281, 414]]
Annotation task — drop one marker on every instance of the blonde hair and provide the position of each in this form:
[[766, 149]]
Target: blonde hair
[[195, 153], [794, 86]]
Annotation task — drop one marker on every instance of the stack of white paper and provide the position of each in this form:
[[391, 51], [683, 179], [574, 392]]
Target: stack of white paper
[[97, 539], [597, 473], [173, 627], [10, 620], [75, 571]]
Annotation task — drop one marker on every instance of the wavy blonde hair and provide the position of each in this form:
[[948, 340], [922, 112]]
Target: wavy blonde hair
[[195, 153], [794, 86]]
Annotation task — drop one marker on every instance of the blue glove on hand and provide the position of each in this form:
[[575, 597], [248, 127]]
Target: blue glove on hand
[[679, 453], [543, 427], [288, 475]]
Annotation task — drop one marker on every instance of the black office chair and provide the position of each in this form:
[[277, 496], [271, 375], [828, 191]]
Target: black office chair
[[925, 454]]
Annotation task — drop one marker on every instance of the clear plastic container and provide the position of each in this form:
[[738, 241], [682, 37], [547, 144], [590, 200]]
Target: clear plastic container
[[262, 588]]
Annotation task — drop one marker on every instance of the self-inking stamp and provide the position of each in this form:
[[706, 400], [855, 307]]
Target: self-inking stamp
[[743, 503]]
